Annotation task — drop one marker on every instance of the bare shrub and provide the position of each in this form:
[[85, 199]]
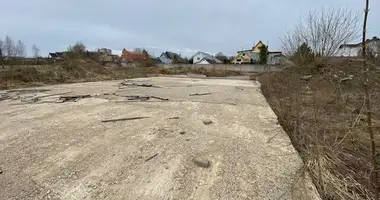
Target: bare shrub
[[20, 49], [9, 47], [325, 119]]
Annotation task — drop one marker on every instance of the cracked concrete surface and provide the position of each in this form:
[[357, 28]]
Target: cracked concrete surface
[[63, 150]]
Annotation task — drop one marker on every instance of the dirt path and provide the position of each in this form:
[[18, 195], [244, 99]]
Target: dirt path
[[64, 151]]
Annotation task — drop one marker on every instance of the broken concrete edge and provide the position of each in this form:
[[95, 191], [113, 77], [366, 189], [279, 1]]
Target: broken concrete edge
[[307, 178]]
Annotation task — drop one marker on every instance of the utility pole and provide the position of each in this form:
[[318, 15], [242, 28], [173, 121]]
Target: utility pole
[[374, 176]]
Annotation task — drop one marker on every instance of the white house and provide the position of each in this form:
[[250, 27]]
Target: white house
[[349, 50], [353, 50], [205, 58], [274, 57], [207, 61]]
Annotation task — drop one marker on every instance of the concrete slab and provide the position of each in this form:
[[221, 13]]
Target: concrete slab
[[64, 151]]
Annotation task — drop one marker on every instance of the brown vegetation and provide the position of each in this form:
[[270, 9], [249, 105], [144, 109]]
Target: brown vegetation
[[189, 70], [65, 72], [85, 70], [323, 110]]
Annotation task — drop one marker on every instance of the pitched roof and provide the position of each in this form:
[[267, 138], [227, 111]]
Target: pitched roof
[[155, 60], [211, 61], [172, 55], [131, 56], [204, 53], [57, 54], [244, 50], [374, 39]]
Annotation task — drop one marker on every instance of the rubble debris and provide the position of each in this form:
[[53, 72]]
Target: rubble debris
[[145, 98], [73, 98], [137, 97], [239, 88], [28, 90], [4, 96], [35, 99], [200, 94], [160, 98], [123, 119], [173, 118], [182, 132], [346, 78], [207, 122], [306, 78], [139, 84], [201, 162], [32, 100], [150, 158], [15, 97]]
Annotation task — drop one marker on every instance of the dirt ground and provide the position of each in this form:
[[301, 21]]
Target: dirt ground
[[51, 150]]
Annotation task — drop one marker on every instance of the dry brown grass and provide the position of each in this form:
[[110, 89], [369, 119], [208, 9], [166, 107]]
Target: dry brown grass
[[65, 72], [79, 70], [189, 70], [325, 119]]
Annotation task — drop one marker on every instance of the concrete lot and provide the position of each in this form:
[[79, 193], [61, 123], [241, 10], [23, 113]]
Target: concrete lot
[[64, 151]]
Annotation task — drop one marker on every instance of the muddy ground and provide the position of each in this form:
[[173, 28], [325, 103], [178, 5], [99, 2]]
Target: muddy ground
[[51, 149]]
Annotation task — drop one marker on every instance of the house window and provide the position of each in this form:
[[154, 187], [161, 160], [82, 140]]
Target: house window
[[238, 60], [198, 58], [243, 54]]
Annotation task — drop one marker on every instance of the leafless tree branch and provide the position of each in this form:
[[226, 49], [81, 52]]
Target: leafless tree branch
[[324, 31]]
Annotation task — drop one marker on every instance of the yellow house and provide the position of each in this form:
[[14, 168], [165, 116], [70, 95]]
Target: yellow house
[[243, 57], [248, 56], [256, 48]]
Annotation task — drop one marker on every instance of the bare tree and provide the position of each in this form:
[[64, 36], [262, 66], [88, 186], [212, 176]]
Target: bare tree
[[78, 48], [9, 47], [323, 31], [1, 45], [1, 53], [220, 56], [36, 52], [20, 49]]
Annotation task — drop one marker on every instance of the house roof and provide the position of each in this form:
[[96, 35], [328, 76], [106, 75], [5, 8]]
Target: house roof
[[133, 56], [155, 60], [211, 61], [245, 50], [53, 55], [374, 39], [206, 54], [257, 44], [56, 54], [172, 55]]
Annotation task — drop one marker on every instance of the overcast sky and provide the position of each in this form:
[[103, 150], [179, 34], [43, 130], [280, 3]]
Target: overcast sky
[[182, 26]]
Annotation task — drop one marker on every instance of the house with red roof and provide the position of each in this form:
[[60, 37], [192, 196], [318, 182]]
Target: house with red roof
[[131, 56]]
